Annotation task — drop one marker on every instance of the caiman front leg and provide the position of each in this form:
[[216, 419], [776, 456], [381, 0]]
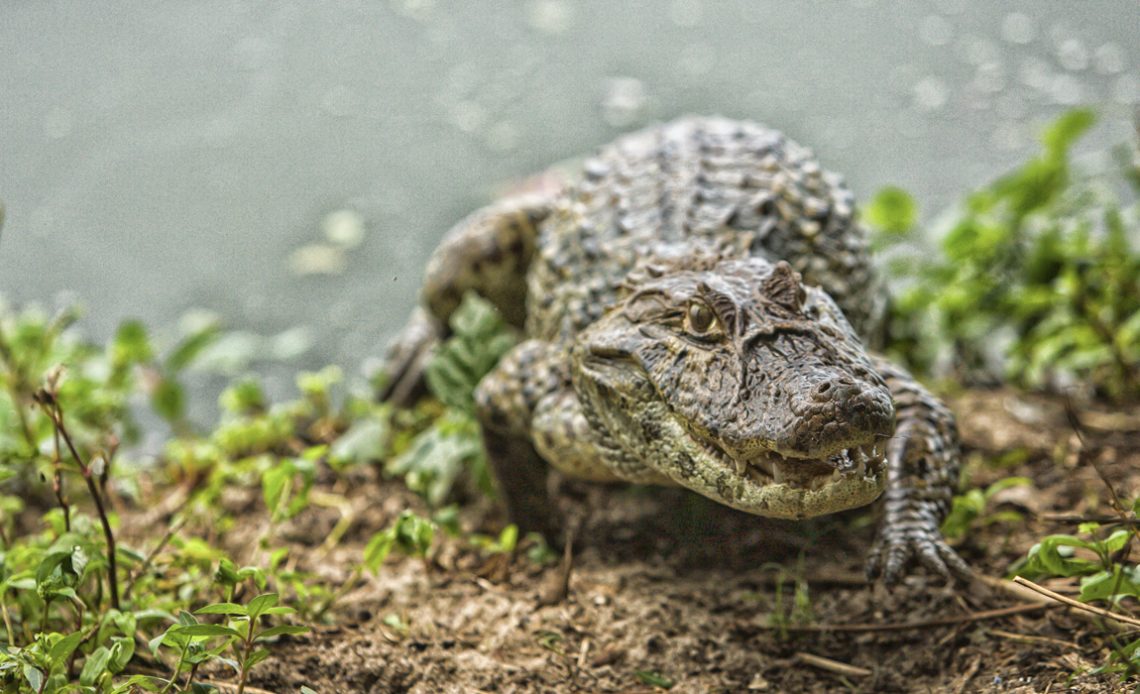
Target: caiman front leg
[[531, 419], [488, 253], [923, 460], [505, 403]]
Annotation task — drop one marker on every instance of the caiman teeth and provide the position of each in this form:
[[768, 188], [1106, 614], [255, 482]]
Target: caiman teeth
[[773, 468], [854, 462]]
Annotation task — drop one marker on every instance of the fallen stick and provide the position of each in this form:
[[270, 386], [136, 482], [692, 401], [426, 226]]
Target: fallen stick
[[920, 624], [832, 665], [970, 672], [1124, 619]]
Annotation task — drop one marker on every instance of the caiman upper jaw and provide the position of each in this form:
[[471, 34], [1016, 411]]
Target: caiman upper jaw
[[810, 473]]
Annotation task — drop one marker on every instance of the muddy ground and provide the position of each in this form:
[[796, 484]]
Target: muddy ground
[[666, 588]]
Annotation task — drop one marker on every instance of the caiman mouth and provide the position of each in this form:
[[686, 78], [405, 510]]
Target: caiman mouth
[[789, 486], [771, 467]]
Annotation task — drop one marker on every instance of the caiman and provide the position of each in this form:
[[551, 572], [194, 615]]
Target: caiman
[[699, 308]]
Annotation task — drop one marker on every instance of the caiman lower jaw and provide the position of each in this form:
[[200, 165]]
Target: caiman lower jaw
[[809, 473], [777, 486]]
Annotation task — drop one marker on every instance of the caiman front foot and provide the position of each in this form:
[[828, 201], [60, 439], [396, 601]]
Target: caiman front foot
[[910, 535]]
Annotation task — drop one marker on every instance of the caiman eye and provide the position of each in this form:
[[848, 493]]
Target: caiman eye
[[701, 319]]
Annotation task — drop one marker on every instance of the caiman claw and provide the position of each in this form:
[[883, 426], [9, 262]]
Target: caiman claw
[[910, 535]]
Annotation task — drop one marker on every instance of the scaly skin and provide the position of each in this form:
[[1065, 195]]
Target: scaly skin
[[693, 307]]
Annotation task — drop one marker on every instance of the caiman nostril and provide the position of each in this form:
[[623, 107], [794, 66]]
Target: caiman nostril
[[823, 391]]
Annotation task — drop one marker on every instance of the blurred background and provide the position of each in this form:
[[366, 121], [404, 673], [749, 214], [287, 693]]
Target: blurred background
[[287, 167]]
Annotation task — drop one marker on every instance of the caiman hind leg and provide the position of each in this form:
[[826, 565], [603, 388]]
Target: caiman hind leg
[[923, 459], [488, 253]]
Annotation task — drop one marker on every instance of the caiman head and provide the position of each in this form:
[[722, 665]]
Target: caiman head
[[742, 384]]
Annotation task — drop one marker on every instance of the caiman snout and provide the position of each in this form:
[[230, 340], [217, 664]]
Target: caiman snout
[[839, 412]]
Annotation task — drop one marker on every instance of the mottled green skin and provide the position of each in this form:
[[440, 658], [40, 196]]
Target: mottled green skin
[[692, 308]]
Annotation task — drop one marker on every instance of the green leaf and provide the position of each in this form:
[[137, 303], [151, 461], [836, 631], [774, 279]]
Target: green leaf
[[377, 549], [261, 603], [1113, 585], [208, 630], [509, 538], [131, 344], [1116, 541], [892, 210], [291, 629], [22, 584], [63, 649], [1053, 557], [393, 620], [136, 682], [158, 641], [654, 679], [169, 400], [1007, 483], [242, 398], [95, 666], [279, 609], [230, 608], [50, 562], [275, 481], [34, 676], [364, 441], [186, 351], [1064, 131], [256, 657], [122, 650], [437, 456], [479, 339]]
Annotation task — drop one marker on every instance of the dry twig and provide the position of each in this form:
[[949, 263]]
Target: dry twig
[[832, 665], [1124, 619], [919, 624], [1032, 638], [969, 675], [557, 585]]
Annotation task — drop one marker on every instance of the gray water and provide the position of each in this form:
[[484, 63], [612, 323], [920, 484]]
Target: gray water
[[291, 164]]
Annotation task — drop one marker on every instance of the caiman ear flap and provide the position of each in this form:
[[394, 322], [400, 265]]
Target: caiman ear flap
[[644, 305], [784, 288]]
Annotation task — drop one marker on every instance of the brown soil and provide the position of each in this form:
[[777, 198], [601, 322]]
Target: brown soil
[[665, 585]]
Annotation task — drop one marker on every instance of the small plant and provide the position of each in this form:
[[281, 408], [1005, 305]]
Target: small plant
[[1098, 557], [410, 535], [800, 611], [240, 633], [505, 543], [970, 508]]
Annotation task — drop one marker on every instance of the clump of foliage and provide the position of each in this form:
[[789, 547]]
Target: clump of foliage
[[1098, 556], [433, 461], [76, 594], [1036, 278]]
